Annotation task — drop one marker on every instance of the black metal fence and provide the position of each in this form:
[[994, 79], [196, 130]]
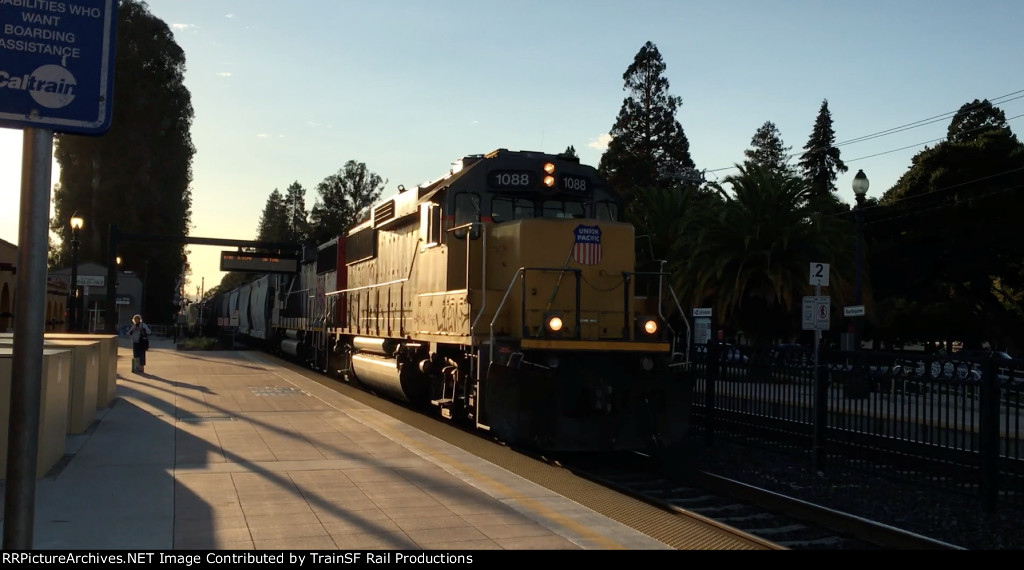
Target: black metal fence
[[938, 420]]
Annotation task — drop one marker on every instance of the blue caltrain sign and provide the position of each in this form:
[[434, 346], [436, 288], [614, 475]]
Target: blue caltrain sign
[[57, 64]]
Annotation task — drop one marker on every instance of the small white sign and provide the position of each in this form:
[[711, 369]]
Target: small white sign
[[819, 274], [822, 312], [90, 280], [702, 312], [702, 331], [816, 313], [808, 314], [853, 311]]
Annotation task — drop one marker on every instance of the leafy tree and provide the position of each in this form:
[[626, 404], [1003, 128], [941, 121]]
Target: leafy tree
[[945, 275], [137, 175], [972, 119], [648, 147], [767, 149], [344, 197], [820, 162]]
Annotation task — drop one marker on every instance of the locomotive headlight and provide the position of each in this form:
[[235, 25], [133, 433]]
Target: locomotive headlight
[[549, 171]]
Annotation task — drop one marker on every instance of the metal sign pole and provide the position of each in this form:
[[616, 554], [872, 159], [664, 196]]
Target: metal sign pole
[[819, 277], [816, 459], [67, 88], [27, 360]]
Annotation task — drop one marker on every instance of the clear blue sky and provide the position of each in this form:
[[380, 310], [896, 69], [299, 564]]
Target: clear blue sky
[[290, 91]]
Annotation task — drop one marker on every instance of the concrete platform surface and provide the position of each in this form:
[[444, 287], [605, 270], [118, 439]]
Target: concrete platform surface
[[227, 451]]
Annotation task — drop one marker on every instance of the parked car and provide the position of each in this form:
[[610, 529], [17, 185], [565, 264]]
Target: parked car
[[733, 354], [792, 355], [936, 369], [1006, 366], [981, 354]]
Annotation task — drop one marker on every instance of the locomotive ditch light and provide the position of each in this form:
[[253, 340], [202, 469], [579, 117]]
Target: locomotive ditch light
[[549, 179], [647, 326], [553, 324]]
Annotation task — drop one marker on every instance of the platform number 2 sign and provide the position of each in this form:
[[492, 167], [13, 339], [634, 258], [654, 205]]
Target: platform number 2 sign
[[819, 274]]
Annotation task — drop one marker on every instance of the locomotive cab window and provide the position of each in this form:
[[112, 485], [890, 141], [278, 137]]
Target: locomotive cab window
[[560, 209], [606, 210], [430, 224], [506, 209], [467, 210]]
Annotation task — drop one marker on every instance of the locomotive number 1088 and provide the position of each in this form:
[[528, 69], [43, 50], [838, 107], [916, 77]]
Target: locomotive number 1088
[[504, 294], [504, 179]]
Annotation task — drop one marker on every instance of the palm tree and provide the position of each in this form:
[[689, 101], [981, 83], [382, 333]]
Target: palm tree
[[661, 218], [750, 258]]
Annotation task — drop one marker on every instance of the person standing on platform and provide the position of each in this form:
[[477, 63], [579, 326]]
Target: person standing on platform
[[139, 333]]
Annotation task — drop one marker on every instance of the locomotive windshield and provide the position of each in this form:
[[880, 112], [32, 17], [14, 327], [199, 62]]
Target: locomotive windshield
[[504, 209]]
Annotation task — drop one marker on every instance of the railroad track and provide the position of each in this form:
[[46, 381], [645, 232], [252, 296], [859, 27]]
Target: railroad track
[[767, 516], [786, 521]]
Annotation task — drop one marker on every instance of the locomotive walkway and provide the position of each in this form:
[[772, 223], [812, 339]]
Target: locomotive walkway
[[222, 450]]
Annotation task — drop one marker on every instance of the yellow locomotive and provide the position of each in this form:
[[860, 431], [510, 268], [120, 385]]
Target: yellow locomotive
[[504, 294]]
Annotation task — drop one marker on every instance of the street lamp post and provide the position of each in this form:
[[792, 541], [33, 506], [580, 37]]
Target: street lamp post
[[76, 224], [860, 189], [117, 285]]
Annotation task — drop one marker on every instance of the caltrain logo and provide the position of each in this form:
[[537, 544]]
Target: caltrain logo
[[587, 249], [51, 86]]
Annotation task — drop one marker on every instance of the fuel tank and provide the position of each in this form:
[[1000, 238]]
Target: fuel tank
[[292, 347], [384, 375]]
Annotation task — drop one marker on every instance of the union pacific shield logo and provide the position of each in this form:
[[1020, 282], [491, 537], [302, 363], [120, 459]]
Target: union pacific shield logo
[[587, 249]]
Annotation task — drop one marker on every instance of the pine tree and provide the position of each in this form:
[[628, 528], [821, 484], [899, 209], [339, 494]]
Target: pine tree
[[767, 150], [298, 218], [649, 148], [820, 162], [273, 223]]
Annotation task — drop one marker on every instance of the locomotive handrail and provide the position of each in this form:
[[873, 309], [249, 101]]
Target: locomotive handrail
[[340, 291], [483, 270], [679, 307], [367, 288], [661, 278], [561, 272], [497, 313], [520, 273], [685, 321], [469, 226]]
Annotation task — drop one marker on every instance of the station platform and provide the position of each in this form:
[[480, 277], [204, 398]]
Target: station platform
[[228, 451]]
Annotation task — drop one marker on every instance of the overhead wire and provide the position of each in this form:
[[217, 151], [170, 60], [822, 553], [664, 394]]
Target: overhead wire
[[1012, 96]]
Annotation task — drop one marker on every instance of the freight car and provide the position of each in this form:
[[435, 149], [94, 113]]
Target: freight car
[[504, 294]]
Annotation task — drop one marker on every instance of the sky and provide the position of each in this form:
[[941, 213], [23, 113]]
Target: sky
[[289, 92]]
